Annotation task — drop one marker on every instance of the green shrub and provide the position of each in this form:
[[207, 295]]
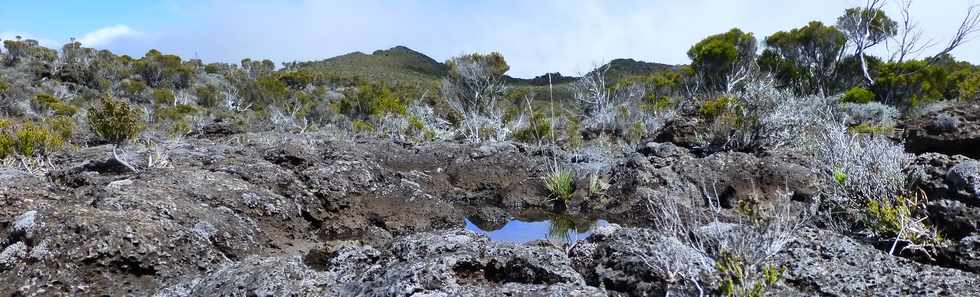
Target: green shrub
[[45, 102], [537, 130], [573, 130], [736, 280], [3, 85], [133, 88], [369, 100], [969, 88], [636, 132], [858, 95], [163, 97], [417, 129], [6, 138], [886, 218], [362, 126], [114, 121], [62, 126], [865, 128], [713, 108], [174, 113], [654, 103], [207, 96], [560, 183], [6, 145], [36, 140]]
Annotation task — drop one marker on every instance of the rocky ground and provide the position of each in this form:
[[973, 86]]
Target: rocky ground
[[244, 214]]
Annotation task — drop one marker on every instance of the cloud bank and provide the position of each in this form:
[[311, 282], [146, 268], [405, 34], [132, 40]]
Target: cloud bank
[[104, 36]]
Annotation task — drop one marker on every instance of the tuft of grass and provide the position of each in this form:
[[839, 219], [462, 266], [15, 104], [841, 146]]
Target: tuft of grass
[[560, 183], [595, 185]]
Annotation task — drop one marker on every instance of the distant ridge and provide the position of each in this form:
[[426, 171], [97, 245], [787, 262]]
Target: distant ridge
[[403, 65]]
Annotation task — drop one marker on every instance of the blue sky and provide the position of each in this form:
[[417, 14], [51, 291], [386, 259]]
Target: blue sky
[[540, 36]]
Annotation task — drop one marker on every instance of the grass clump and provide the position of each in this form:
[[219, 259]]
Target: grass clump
[[736, 281], [560, 183], [895, 218]]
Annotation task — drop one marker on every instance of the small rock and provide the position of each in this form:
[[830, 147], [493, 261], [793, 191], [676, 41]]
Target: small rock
[[965, 176]]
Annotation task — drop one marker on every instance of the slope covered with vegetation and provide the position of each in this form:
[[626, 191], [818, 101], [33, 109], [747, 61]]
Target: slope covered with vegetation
[[727, 172]]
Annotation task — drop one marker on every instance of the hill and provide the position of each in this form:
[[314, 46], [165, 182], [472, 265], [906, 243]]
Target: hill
[[402, 65], [395, 65]]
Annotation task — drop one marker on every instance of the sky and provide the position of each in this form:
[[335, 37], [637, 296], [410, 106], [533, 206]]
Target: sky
[[535, 36]]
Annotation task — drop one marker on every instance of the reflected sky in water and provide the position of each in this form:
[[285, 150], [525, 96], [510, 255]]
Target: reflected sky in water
[[557, 229]]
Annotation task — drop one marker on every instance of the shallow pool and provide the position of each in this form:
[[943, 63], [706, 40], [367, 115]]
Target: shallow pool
[[555, 229]]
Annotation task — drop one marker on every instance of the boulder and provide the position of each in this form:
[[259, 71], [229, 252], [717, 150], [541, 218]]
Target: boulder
[[952, 130]]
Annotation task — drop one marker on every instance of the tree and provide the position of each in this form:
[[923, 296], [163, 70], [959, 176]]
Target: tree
[[724, 60], [805, 58], [864, 28], [472, 89], [255, 69]]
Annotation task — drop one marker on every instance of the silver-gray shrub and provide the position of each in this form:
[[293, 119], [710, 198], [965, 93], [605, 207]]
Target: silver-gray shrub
[[472, 90], [772, 118], [857, 167], [872, 113]]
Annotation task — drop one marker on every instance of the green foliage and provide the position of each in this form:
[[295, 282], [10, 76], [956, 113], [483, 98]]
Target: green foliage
[[6, 145], [713, 108], [417, 130], [865, 128], [36, 140], [207, 96], [159, 70], [840, 176], [174, 113], [717, 55], [858, 95], [969, 88], [133, 88], [596, 186], [398, 65], [27, 50], [573, 130], [362, 126], [46, 103], [7, 140], [297, 79], [856, 20], [217, 68], [3, 85], [736, 280], [804, 58], [63, 127], [560, 183], [539, 129], [912, 82], [164, 97], [886, 218], [371, 100], [114, 121]]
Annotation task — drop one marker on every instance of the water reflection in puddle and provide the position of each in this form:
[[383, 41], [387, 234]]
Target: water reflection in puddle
[[558, 229]]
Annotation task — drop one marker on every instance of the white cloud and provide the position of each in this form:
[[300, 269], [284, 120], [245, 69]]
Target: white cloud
[[104, 36]]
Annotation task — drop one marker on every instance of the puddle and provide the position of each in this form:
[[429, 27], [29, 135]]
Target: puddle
[[561, 229]]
